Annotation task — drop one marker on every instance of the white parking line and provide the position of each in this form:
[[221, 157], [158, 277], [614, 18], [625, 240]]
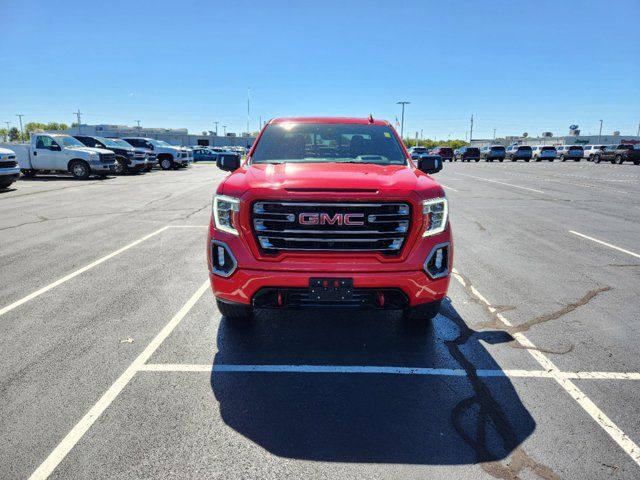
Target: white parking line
[[621, 438], [388, 370], [605, 243], [74, 274], [501, 183], [77, 432], [447, 187]]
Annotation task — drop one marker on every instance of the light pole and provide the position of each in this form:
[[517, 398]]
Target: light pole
[[403, 103], [138, 122], [224, 130], [600, 131], [494, 133], [78, 113], [216, 124], [421, 135], [21, 132]]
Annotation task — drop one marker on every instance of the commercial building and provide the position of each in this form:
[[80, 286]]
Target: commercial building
[[174, 136]]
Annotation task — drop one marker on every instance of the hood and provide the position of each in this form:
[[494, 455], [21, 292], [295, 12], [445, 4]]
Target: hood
[[338, 176], [6, 151], [91, 150]]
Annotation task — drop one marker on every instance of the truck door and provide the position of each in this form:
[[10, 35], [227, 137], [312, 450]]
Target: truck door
[[44, 155]]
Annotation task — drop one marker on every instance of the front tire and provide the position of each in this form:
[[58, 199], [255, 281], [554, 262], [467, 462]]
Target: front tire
[[166, 164], [80, 169], [235, 311], [619, 159], [563, 158], [6, 184], [596, 159], [28, 173], [422, 313]]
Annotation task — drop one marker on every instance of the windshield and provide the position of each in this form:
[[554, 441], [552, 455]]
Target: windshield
[[69, 142], [160, 143], [325, 142], [107, 142], [121, 143]]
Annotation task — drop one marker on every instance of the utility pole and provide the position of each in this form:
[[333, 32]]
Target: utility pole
[[600, 131], [403, 103], [216, 124], [421, 136], [21, 132], [638, 133], [248, 110], [494, 133], [260, 124], [78, 113], [224, 130], [138, 122], [471, 130], [8, 128]]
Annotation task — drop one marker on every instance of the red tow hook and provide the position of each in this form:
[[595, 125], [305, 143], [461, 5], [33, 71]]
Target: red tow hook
[[279, 299], [380, 298]]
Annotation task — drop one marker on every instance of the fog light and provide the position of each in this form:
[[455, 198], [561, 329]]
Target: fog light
[[223, 263], [437, 263]]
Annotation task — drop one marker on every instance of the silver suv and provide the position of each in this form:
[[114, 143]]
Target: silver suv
[[591, 150], [544, 152]]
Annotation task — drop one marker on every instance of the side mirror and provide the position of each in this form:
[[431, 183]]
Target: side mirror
[[430, 163], [228, 163], [54, 147]]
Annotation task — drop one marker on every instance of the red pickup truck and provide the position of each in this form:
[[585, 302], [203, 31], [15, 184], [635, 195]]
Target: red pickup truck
[[330, 213]]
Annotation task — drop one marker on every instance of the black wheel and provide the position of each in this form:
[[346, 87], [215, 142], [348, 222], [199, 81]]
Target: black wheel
[[501, 160], [166, 164], [636, 162], [5, 183], [538, 159], [121, 168], [527, 160], [148, 168], [424, 312], [477, 160], [28, 173], [513, 159], [80, 169], [619, 159], [563, 158], [596, 159], [235, 311]]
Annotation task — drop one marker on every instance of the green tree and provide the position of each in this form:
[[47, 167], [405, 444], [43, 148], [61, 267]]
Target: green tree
[[14, 134], [4, 134]]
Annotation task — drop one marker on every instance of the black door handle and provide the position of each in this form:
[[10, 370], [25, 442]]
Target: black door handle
[[35, 154]]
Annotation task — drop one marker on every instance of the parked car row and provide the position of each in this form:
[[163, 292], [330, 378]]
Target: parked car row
[[597, 153], [86, 155]]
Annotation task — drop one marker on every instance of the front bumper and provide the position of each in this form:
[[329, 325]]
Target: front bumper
[[11, 171], [100, 167]]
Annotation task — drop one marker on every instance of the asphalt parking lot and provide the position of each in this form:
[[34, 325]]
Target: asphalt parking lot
[[116, 364]]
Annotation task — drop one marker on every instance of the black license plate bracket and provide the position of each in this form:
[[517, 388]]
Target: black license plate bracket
[[330, 289]]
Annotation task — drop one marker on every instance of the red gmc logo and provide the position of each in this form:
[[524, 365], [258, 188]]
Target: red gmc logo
[[326, 219]]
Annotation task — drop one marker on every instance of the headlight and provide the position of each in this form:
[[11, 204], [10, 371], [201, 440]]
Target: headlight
[[94, 156], [435, 212], [225, 213]]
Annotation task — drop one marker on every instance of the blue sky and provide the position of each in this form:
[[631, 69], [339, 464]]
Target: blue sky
[[516, 65]]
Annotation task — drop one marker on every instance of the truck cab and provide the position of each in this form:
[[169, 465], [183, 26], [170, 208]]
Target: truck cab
[[62, 153]]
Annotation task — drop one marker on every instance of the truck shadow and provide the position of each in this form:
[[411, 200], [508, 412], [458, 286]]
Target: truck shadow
[[451, 418]]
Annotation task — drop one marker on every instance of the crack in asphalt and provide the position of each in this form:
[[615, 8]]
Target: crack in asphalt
[[196, 211], [488, 413], [520, 461], [40, 220]]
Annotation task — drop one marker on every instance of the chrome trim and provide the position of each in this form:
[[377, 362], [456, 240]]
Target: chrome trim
[[308, 239], [233, 259], [431, 253], [329, 204]]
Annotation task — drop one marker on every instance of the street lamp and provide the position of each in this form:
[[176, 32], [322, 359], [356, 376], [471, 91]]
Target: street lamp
[[403, 103], [600, 132]]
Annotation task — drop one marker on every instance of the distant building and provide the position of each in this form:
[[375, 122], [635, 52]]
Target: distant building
[[174, 136]]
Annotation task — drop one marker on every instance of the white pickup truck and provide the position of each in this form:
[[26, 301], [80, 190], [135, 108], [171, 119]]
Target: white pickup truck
[[61, 153], [168, 156], [9, 170]]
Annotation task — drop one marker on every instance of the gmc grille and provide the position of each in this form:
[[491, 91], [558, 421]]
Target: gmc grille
[[9, 164], [342, 227]]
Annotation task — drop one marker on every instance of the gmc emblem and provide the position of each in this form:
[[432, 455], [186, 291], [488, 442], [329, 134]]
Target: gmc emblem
[[326, 219]]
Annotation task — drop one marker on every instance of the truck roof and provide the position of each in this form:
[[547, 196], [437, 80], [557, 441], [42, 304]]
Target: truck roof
[[345, 120]]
